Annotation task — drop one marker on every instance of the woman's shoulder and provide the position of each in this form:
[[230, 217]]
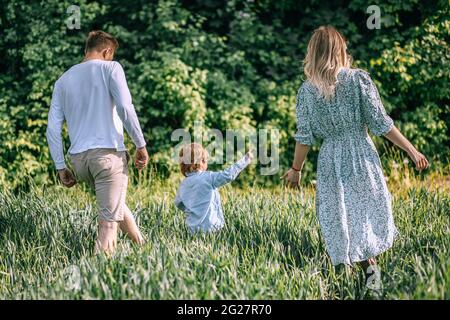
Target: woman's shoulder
[[351, 73], [355, 77], [305, 88], [355, 73], [345, 74]]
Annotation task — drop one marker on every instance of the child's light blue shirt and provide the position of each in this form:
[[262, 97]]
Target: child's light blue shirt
[[198, 196]]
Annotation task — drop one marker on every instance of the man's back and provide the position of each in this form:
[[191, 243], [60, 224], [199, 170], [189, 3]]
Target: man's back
[[88, 106], [93, 98]]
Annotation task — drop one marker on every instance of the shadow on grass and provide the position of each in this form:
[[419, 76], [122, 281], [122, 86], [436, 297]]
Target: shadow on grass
[[32, 226]]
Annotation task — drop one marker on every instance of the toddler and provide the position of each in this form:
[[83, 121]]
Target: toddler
[[198, 195]]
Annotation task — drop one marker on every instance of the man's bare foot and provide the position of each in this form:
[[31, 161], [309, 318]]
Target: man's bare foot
[[130, 228], [107, 237]]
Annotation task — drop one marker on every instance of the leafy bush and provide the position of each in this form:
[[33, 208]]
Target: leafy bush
[[233, 64]]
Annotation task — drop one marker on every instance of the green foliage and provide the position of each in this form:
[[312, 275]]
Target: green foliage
[[228, 64], [420, 69]]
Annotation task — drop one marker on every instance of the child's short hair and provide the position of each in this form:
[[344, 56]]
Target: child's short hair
[[191, 156]]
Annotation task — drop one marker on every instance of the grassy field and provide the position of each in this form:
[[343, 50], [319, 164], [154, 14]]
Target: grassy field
[[271, 247]]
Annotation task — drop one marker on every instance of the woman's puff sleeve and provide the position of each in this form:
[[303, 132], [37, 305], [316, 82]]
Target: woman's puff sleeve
[[304, 133], [374, 114]]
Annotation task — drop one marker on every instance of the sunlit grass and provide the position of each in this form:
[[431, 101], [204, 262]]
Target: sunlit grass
[[271, 247]]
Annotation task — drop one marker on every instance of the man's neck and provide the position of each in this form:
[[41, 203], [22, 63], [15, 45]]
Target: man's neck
[[92, 57]]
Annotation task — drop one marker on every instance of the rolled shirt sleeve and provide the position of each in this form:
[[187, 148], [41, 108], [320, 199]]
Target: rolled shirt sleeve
[[374, 114], [54, 128], [125, 108], [304, 134]]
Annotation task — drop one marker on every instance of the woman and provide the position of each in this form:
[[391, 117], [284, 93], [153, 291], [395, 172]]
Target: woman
[[338, 104]]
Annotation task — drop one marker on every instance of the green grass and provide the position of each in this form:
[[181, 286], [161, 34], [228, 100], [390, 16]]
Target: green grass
[[271, 248]]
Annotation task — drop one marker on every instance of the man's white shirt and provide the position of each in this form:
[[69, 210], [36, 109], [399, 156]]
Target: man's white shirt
[[94, 99]]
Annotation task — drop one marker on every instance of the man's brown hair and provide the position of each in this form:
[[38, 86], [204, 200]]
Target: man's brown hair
[[191, 155], [98, 40]]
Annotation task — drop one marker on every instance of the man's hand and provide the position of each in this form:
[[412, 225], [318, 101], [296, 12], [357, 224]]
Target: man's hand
[[67, 178], [292, 178], [141, 158]]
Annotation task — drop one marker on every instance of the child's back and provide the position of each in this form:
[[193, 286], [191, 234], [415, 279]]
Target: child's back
[[198, 196], [201, 202]]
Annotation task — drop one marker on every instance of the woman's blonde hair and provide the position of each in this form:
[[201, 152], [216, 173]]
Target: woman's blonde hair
[[190, 157], [326, 54]]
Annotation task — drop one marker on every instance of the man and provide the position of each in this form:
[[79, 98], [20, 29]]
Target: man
[[94, 99]]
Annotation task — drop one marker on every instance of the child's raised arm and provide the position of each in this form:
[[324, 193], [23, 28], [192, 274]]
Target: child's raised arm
[[221, 178]]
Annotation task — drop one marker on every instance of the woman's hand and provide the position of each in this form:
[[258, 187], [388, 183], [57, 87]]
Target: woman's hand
[[292, 178], [419, 159], [398, 139]]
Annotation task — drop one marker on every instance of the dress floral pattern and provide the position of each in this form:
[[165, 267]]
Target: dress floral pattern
[[353, 203]]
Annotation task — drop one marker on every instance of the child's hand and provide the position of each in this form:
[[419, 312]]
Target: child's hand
[[249, 155]]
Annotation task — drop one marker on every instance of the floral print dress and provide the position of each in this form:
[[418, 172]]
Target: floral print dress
[[353, 203]]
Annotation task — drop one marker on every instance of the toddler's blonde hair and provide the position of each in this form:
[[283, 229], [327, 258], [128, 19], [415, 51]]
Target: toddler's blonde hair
[[190, 157]]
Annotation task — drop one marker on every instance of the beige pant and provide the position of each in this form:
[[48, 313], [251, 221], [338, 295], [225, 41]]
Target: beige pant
[[106, 171]]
